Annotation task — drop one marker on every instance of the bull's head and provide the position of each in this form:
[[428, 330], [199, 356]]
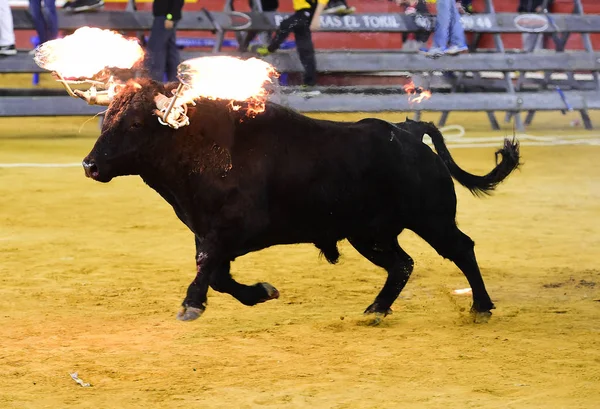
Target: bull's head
[[167, 111], [133, 140], [130, 130]]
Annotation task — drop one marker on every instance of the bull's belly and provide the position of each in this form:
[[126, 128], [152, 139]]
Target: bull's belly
[[324, 227]]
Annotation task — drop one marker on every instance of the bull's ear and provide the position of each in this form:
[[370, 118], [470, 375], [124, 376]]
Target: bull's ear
[[214, 121]]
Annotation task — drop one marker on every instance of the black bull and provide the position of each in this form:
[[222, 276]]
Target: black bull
[[243, 184]]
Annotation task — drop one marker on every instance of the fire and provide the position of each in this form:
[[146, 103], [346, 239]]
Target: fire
[[87, 52], [416, 95], [227, 78]]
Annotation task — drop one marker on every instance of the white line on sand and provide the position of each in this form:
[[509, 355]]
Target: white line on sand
[[39, 165], [456, 140]]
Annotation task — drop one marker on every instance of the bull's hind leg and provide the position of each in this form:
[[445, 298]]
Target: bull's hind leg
[[390, 256], [453, 244]]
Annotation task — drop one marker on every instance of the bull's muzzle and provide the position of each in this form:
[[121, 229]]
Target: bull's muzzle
[[90, 168]]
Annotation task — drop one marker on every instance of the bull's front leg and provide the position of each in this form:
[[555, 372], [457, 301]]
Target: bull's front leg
[[214, 270], [194, 303], [222, 281]]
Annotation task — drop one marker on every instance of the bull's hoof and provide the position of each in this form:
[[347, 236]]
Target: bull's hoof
[[481, 311], [480, 317], [375, 318], [376, 309], [272, 292], [190, 313]]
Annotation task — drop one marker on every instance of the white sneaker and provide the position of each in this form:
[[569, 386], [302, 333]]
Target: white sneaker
[[456, 49], [8, 50], [434, 52], [334, 8]]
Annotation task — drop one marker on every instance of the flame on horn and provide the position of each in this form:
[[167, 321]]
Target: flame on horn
[[228, 78], [87, 52]]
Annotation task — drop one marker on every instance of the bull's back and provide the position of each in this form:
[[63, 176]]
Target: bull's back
[[336, 177]]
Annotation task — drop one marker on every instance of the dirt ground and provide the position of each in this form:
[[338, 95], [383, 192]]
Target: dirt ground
[[92, 275]]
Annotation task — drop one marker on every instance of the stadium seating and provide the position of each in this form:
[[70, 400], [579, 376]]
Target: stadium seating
[[467, 88]]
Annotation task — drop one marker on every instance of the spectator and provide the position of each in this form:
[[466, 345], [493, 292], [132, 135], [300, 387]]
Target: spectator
[[7, 34], [448, 35], [532, 41], [163, 54], [46, 26], [267, 5], [338, 7], [305, 19], [414, 41], [533, 6], [83, 5]]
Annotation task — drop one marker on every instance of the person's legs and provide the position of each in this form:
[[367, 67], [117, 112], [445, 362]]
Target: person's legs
[[335, 6], [422, 35], [285, 28], [457, 32], [77, 6], [52, 22], [157, 49], [35, 8], [172, 56], [265, 36], [7, 33], [270, 5], [347, 9], [421, 7], [306, 50], [442, 24]]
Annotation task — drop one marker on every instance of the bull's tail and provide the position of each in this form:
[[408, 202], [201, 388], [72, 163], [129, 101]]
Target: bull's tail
[[478, 185]]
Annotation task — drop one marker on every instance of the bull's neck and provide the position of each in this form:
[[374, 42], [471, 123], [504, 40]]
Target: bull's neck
[[172, 180], [183, 161], [169, 156], [183, 173]]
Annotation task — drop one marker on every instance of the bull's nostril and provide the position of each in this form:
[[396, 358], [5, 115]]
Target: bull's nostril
[[90, 167]]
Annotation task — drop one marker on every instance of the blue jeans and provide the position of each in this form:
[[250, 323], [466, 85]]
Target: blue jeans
[[448, 28], [163, 55], [46, 29]]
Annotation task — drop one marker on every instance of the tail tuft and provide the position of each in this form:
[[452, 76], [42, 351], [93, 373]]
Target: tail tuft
[[510, 152], [507, 160]]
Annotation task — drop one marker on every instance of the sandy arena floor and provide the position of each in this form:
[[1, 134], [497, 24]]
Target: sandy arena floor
[[92, 275]]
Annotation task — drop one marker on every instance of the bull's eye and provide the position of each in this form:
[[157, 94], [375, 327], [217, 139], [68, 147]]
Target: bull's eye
[[136, 125]]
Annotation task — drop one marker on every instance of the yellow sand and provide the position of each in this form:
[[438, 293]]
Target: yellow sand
[[91, 277]]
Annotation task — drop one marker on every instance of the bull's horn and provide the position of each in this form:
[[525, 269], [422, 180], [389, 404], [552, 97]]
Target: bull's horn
[[93, 98], [162, 101], [169, 114]]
